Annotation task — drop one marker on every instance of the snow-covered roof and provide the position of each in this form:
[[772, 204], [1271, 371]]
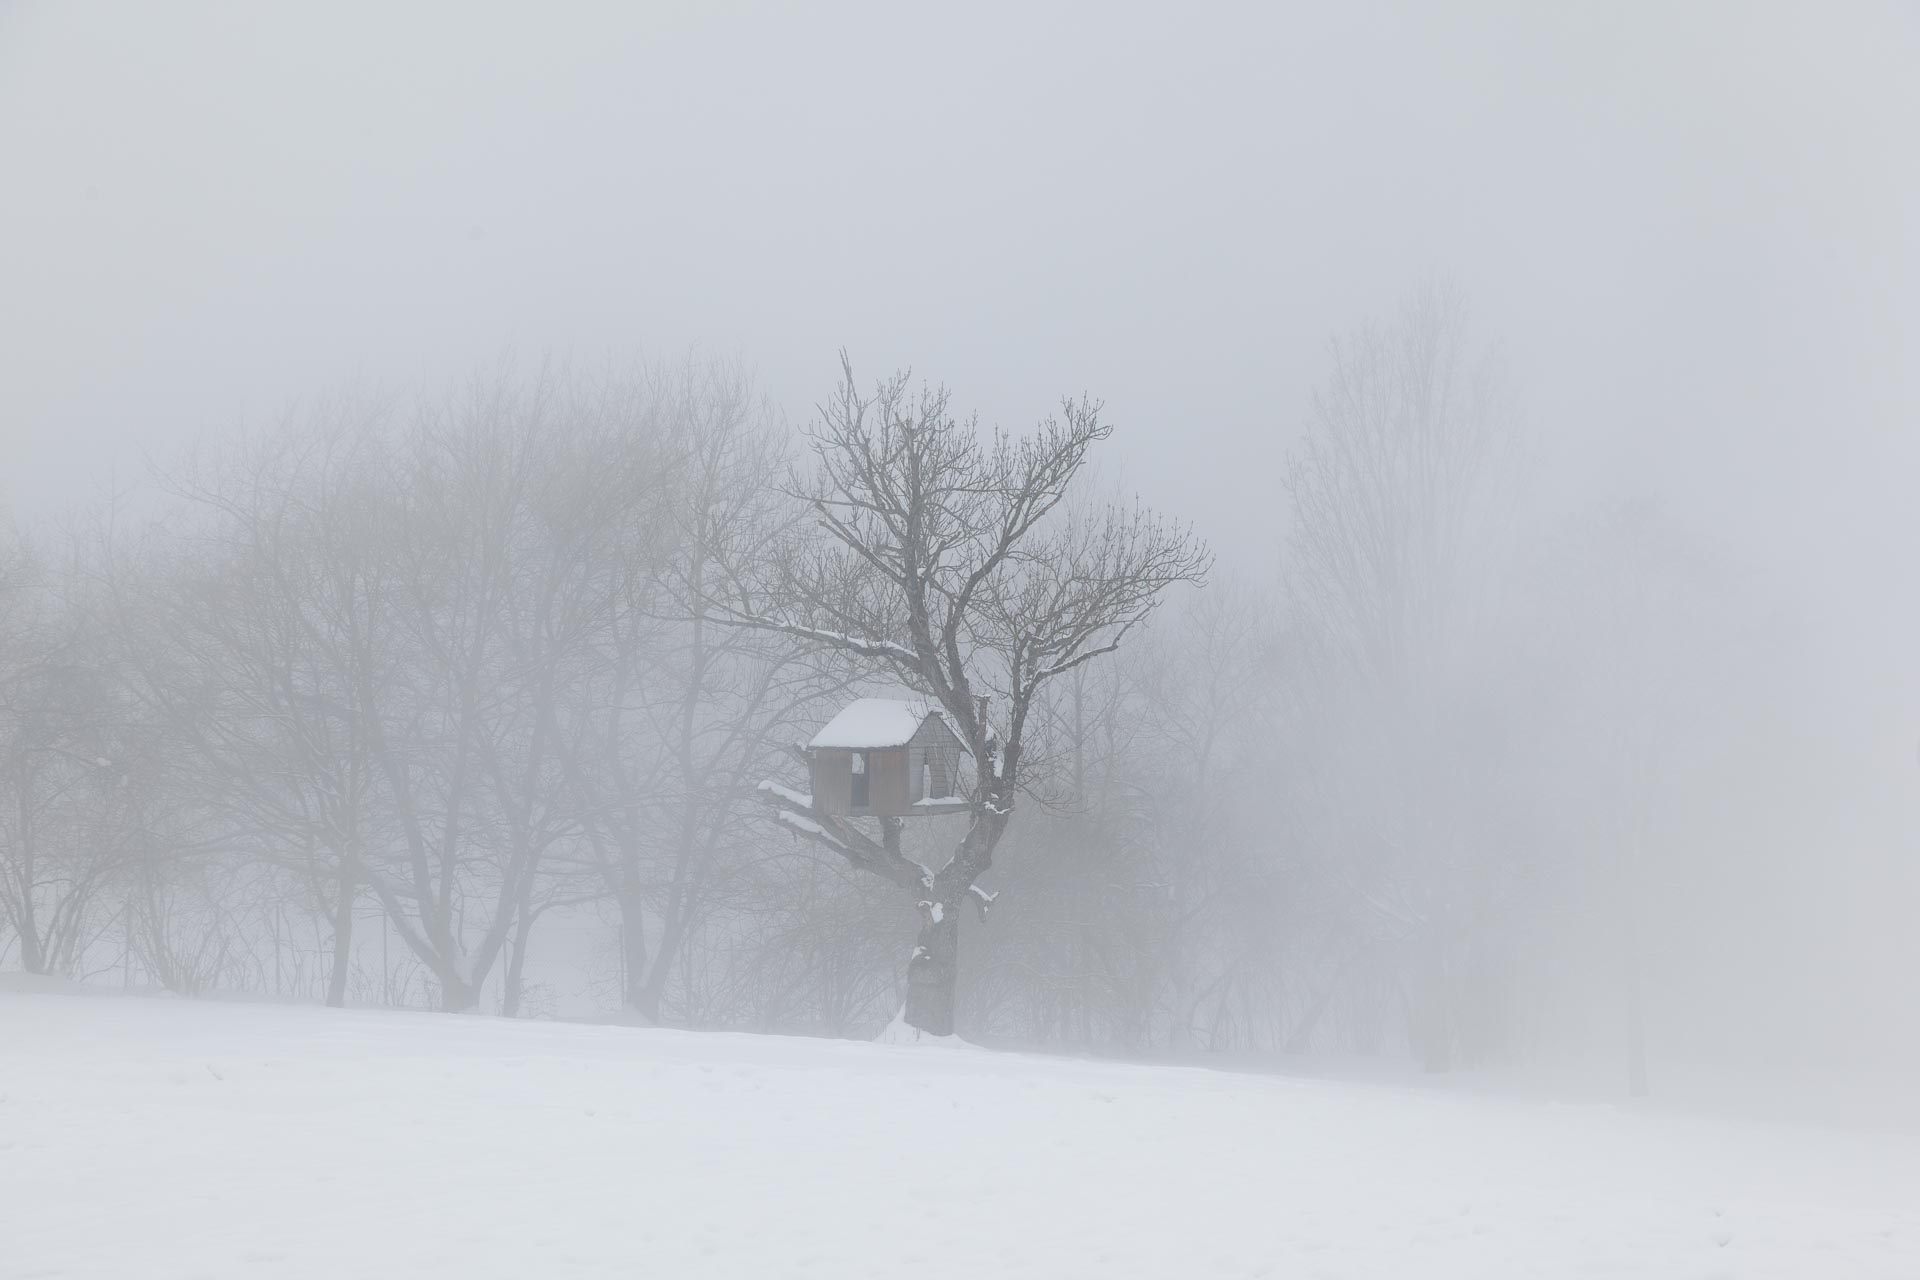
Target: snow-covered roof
[[869, 724]]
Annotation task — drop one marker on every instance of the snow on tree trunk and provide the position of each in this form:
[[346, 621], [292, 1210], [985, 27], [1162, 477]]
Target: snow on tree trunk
[[932, 972], [637, 993]]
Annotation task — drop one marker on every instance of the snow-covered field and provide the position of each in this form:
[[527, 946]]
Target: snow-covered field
[[157, 1138]]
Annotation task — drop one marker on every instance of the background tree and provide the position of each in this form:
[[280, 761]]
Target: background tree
[[1403, 507], [676, 717], [68, 827]]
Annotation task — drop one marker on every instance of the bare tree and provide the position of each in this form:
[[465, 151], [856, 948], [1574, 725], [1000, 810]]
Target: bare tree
[[1216, 799], [516, 496], [667, 719], [69, 746], [952, 565], [1403, 507], [251, 628]]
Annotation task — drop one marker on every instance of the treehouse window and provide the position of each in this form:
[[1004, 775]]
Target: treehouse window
[[933, 768], [860, 775]]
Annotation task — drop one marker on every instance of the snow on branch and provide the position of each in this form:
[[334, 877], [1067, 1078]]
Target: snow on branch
[[806, 826], [800, 798], [861, 646], [795, 811]]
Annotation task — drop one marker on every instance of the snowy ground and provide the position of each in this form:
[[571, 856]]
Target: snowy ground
[[158, 1138]]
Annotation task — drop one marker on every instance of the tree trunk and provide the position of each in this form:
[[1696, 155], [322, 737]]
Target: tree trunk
[[516, 964], [342, 938], [638, 994], [932, 971], [673, 934], [455, 995], [1301, 1037], [935, 967], [32, 958]]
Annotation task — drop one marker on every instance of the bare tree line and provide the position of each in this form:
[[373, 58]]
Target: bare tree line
[[394, 700]]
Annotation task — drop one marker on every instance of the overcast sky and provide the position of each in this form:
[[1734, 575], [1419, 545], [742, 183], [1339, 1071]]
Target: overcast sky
[[1693, 227]]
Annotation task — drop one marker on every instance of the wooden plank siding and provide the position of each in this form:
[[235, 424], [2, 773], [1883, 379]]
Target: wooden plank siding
[[894, 775], [832, 781]]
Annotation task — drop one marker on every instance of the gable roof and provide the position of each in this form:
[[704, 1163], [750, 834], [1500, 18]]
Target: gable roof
[[871, 724]]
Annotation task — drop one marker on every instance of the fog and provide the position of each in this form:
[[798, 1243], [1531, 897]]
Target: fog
[[1656, 594]]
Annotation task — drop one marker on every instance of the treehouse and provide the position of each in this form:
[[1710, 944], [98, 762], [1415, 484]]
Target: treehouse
[[886, 758]]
